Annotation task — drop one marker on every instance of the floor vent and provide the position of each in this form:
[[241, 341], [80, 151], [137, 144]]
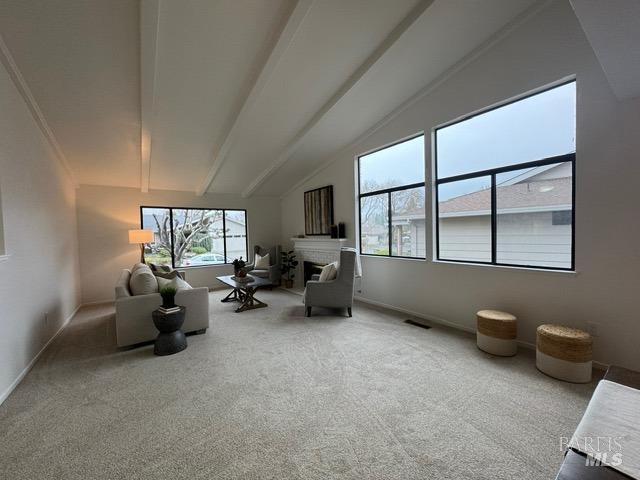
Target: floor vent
[[416, 324]]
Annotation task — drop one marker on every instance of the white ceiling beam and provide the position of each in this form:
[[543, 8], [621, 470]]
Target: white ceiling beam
[[285, 39], [388, 42], [149, 24], [25, 92], [497, 37]]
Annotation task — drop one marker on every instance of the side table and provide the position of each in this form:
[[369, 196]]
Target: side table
[[171, 339]]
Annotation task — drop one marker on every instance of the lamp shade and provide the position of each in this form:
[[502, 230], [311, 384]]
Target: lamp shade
[[140, 236]]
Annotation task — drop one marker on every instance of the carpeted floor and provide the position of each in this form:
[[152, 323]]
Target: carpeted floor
[[269, 394]]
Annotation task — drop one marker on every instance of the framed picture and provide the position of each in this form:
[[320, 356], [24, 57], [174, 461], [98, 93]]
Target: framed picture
[[318, 211]]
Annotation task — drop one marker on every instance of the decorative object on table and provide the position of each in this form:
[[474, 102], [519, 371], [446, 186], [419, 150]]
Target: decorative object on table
[[245, 279], [244, 292], [171, 339], [336, 293], [318, 211], [564, 353], [334, 231], [168, 295], [288, 267], [496, 332], [140, 237], [342, 230], [238, 265]]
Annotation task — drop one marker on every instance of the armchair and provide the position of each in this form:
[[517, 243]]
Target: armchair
[[336, 293], [273, 272]]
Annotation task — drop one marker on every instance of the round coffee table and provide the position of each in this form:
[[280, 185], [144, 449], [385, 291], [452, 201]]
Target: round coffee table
[[171, 339]]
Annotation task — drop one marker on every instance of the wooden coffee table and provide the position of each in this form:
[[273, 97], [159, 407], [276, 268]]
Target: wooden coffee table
[[244, 292]]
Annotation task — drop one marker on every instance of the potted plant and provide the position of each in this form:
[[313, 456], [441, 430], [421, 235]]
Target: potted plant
[[238, 267], [288, 267], [168, 295]]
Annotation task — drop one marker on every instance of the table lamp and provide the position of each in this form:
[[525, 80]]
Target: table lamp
[[141, 237]]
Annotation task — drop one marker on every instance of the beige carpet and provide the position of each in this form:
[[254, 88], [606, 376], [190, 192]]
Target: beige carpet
[[271, 394]]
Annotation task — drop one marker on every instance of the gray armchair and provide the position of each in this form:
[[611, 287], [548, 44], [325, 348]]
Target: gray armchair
[[336, 293], [273, 272]]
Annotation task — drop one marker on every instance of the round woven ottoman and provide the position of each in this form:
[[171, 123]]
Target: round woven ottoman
[[497, 332], [564, 353]]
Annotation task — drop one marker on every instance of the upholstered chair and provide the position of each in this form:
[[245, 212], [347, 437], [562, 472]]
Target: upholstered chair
[[336, 293], [273, 271]]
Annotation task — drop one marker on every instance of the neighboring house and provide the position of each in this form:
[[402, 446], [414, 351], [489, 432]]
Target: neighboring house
[[534, 221], [236, 240], [236, 236]]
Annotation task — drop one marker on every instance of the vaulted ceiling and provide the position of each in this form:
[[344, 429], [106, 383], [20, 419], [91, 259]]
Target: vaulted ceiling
[[233, 96]]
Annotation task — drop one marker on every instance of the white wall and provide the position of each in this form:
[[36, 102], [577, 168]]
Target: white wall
[[548, 47], [40, 273], [105, 214]]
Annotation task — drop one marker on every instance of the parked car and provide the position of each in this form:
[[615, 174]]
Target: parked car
[[204, 259]]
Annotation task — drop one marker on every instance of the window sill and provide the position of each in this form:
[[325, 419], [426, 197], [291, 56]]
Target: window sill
[[4, 257], [195, 267], [385, 257], [508, 267]]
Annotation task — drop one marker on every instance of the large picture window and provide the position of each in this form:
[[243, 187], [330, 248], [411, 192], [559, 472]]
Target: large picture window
[[192, 237], [504, 183], [391, 200]]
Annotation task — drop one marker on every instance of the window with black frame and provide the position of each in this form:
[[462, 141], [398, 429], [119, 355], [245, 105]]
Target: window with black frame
[[192, 237], [504, 183], [392, 200]]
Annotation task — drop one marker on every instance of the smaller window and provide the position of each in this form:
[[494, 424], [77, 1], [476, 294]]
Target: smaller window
[[392, 200]]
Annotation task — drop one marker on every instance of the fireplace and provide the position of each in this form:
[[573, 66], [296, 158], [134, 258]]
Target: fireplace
[[318, 251], [311, 268]]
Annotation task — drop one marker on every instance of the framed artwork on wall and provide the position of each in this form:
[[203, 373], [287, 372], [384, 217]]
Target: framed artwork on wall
[[318, 211]]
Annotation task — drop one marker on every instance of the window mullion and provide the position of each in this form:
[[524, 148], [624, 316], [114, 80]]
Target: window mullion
[[172, 238], [390, 226], [494, 220], [224, 236]]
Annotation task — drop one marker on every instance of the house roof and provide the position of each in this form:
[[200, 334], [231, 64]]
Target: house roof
[[553, 194], [541, 195]]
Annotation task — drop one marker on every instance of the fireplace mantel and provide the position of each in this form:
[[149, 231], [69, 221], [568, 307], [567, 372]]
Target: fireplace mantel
[[321, 244]]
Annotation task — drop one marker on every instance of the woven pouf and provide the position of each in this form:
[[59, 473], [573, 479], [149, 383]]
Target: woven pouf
[[497, 332], [564, 353]]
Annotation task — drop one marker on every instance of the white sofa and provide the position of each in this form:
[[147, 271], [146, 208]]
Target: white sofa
[[133, 312]]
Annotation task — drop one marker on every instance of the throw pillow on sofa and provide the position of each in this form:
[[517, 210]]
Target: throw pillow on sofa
[[261, 263], [139, 265], [168, 275], [160, 268], [143, 281], [176, 282]]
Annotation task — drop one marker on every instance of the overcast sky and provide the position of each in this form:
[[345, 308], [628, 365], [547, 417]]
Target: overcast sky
[[537, 127]]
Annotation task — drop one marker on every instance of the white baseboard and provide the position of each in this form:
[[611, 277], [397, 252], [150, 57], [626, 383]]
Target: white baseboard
[[33, 361], [424, 316], [441, 321], [98, 302]]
